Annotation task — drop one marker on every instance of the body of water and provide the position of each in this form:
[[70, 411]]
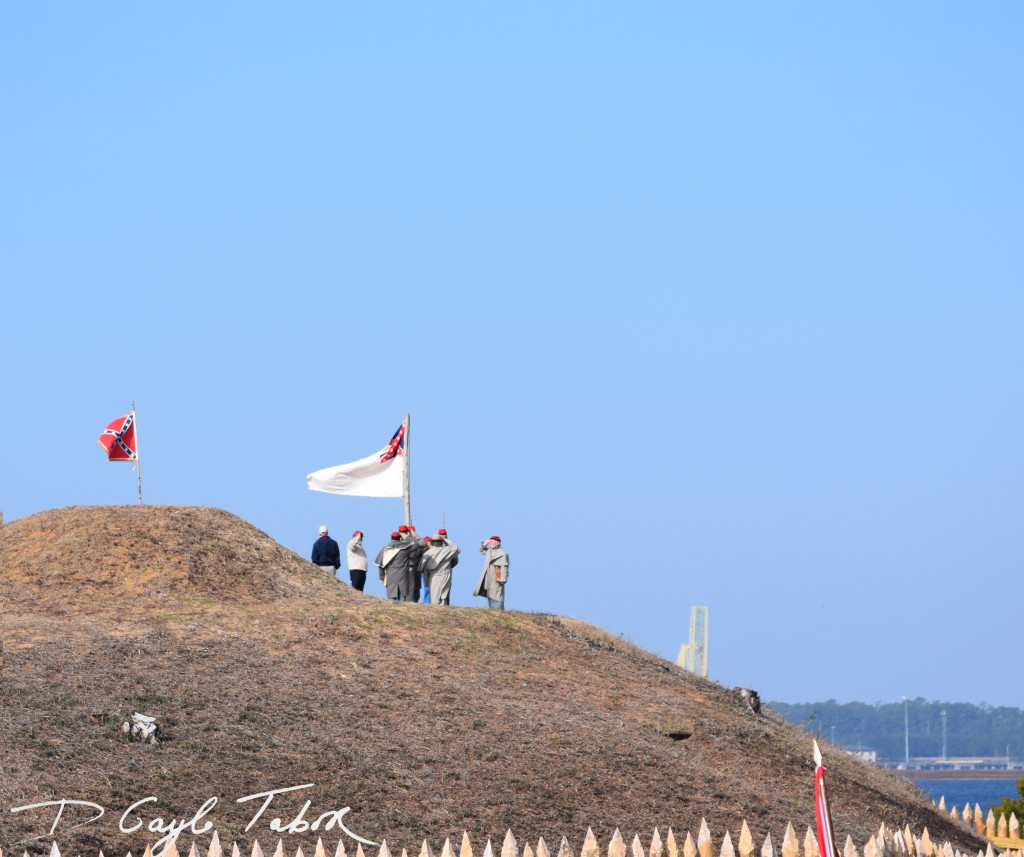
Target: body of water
[[958, 792]]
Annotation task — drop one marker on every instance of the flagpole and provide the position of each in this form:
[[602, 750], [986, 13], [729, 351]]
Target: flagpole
[[405, 474], [138, 455]]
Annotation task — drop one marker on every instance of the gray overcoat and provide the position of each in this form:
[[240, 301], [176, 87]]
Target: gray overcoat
[[395, 564], [495, 566], [437, 564]]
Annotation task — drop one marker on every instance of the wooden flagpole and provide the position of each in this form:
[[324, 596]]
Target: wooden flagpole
[[138, 455], [405, 475]]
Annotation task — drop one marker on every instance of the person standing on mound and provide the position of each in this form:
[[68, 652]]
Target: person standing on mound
[[326, 552], [356, 561], [495, 574], [436, 564], [418, 546], [395, 564]]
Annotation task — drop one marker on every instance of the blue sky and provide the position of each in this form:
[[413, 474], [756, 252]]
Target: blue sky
[[692, 304]]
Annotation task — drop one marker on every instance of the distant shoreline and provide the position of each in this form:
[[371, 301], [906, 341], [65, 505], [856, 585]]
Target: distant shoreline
[[962, 774]]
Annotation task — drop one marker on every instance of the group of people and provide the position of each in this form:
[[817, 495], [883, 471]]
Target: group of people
[[410, 564]]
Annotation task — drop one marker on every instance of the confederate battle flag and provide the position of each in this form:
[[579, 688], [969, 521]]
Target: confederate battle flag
[[118, 439]]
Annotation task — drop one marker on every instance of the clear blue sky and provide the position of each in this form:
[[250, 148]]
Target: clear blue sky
[[693, 304]]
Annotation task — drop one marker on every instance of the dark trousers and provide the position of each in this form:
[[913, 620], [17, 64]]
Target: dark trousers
[[358, 578]]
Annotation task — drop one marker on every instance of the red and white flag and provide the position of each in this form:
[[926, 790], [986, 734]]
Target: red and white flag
[[378, 475], [826, 838], [118, 439]]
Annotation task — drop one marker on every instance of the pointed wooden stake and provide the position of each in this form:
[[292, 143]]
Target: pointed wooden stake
[[704, 843], [542, 848], [635, 848], [616, 848], [589, 848], [488, 850], [746, 843], [727, 850], [657, 849], [509, 848], [810, 844], [563, 849], [340, 850], [689, 846], [465, 850], [527, 850], [446, 849], [849, 849], [790, 847], [384, 850], [768, 849], [671, 849], [320, 851], [215, 850]]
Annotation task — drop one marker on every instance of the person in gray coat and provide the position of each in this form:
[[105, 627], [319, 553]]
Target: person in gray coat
[[395, 562], [408, 534], [436, 564], [495, 574]]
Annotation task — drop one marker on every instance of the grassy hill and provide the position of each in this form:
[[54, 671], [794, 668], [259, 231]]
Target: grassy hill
[[266, 673]]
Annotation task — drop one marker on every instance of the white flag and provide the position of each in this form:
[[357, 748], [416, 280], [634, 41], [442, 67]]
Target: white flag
[[377, 475]]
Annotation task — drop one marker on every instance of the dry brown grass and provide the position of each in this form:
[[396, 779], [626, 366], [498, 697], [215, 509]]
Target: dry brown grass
[[267, 673]]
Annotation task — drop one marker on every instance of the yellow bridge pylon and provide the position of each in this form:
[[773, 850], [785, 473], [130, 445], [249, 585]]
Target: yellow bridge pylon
[[693, 656]]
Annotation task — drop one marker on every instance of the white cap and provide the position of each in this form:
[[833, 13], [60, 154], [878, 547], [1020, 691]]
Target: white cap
[[323, 531]]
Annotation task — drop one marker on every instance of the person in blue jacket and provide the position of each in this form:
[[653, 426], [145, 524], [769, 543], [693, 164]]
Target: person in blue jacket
[[326, 552]]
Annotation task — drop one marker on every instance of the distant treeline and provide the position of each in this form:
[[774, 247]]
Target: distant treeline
[[971, 730]]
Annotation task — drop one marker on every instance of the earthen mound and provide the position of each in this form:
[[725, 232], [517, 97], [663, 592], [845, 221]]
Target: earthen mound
[[149, 550], [264, 672]]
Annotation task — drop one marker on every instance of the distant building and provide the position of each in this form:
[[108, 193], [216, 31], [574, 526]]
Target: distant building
[[865, 754]]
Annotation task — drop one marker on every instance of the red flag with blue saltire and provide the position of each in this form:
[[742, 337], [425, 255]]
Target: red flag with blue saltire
[[118, 439], [826, 838]]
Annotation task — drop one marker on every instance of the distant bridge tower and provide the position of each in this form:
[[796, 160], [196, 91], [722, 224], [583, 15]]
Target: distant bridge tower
[[693, 656]]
